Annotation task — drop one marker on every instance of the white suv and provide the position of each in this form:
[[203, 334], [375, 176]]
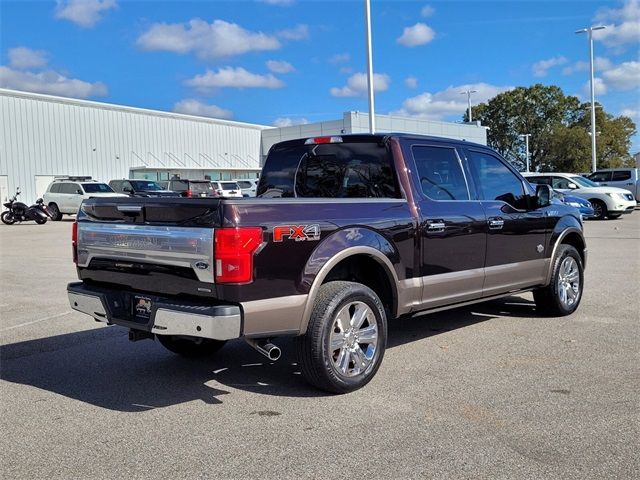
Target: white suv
[[606, 201], [64, 196], [248, 186], [627, 178], [227, 189]]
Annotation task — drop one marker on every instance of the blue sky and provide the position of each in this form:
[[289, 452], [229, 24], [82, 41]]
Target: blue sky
[[294, 61]]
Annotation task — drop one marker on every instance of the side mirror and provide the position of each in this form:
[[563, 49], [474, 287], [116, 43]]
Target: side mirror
[[543, 196], [572, 186]]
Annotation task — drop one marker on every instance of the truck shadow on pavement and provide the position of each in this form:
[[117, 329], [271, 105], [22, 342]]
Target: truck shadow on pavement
[[101, 367]]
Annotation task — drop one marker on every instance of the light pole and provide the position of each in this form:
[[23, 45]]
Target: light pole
[[526, 143], [372, 110], [468, 93], [590, 31]]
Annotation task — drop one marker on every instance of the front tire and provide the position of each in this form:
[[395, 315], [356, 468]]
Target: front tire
[[346, 338], [56, 214], [7, 218], [41, 221], [599, 209], [562, 296], [191, 347]]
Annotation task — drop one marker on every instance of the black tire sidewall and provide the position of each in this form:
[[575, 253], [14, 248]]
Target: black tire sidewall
[[55, 212], [603, 209], [566, 251], [5, 220]]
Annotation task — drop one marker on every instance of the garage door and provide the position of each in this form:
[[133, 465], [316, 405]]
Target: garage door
[[42, 182], [4, 188]]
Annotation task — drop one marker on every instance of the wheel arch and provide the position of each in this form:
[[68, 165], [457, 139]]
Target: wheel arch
[[569, 236]]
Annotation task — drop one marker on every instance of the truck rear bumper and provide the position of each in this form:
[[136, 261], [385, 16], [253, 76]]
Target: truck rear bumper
[[166, 316]]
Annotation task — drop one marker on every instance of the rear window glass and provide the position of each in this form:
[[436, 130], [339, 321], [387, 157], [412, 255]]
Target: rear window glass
[[145, 185], [230, 186], [55, 188], [96, 188], [201, 187], [338, 170], [244, 184]]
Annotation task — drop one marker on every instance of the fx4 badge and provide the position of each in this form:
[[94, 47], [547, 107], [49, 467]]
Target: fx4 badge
[[299, 233]]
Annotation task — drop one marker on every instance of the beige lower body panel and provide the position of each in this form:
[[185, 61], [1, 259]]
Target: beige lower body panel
[[273, 316], [514, 276]]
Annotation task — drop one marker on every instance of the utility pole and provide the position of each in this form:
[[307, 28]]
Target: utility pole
[[590, 31], [372, 110], [526, 143], [468, 93]]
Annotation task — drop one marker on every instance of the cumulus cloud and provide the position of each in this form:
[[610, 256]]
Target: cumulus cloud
[[191, 106], [623, 24], [49, 82], [541, 68], [599, 87], [206, 40], [23, 58], [339, 58], [448, 102], [299, 32], [625, 76], [632, 113], [357, 85], [84, 13], [234, 77], [279, 66], [418, 34], [289, 122], [411, 82], [427, 11], [599, 63]]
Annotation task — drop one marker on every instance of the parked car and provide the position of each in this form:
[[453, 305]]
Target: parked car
[[248, 186], [609, 202], [64, 195], [141, 188], [227, 189], [627, 178], [584, 206], [358, 230], [192, 188]]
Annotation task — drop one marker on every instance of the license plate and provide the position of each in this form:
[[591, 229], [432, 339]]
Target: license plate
[[142, 307], [203, 194]]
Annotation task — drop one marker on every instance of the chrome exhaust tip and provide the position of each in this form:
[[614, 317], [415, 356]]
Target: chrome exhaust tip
[[266, 348]]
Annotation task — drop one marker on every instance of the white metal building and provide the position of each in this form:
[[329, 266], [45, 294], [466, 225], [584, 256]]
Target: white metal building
[[43, 136]]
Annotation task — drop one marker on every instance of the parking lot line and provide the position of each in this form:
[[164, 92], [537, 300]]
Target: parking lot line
[[50, 317]]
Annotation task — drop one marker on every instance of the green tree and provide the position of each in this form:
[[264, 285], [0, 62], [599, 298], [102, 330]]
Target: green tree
[[559, 127]]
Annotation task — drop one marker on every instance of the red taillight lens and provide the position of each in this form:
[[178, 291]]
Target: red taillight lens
[[233, 252], [321, 140], [74, 241], [189, 193]]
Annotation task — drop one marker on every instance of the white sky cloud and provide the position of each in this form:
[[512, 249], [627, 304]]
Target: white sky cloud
[[299, 32], [599, 88], [191, 106], [340, 58], [85, 13], [411, 82], [289, 122], [625, 76], [427, 11], [279, 66], [357, 85], [23, 58], [599, 63], [623, 24], [541, 68], [418, 34], [206, 40], [49, 82], [448, 102], [632, 113], [233, 77]]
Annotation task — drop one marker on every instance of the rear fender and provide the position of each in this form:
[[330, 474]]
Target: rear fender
[[340, 246]]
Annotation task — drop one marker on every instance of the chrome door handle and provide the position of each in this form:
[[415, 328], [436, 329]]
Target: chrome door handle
[[496, 223], [435, 226]]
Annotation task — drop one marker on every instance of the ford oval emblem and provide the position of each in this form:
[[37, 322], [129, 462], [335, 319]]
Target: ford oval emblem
[[202, 265]]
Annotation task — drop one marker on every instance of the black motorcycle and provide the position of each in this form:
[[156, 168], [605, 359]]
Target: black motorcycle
[[20, 212]]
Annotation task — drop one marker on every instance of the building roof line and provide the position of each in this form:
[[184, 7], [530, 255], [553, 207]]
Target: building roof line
[[122, 108]]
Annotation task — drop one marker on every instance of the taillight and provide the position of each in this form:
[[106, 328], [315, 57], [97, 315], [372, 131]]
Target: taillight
[[189, 193], [74, 242], [320, 140], [233, 251]]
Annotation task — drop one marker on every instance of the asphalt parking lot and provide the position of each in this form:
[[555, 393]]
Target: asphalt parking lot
[[491, 391]]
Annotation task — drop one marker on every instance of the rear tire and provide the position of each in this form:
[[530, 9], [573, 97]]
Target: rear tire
[[599, 209], [41, 221], [563, 294], [191, 347], [56, 214], [7, 218], [346, 338]]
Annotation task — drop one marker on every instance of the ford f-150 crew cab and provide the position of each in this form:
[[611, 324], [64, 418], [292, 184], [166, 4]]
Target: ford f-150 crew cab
[[346, 233]]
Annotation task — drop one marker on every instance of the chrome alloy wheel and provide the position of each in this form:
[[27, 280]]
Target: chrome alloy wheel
[[569, 282], [354, 339]]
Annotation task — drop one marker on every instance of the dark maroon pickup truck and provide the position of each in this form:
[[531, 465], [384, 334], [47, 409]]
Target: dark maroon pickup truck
[[345, 234]]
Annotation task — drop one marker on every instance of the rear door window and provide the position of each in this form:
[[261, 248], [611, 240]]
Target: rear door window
[[70, 188], [621, 175], [353, 169], [440, 173], [600, 177]]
